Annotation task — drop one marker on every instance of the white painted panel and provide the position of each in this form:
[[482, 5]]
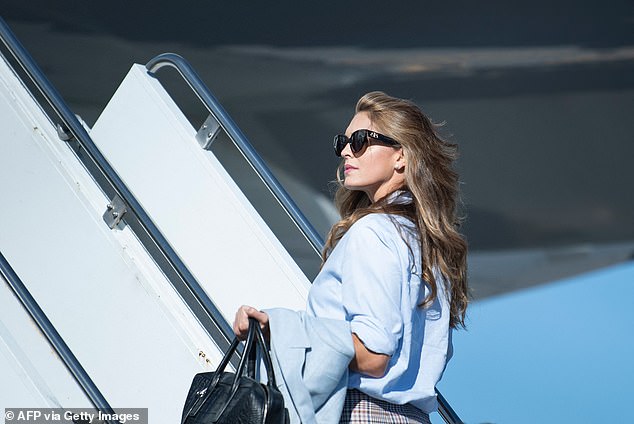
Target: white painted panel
[[32, 373], [115, 310], [193, 200]]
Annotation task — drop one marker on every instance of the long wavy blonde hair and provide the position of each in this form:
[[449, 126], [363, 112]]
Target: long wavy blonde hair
[[433, 183]]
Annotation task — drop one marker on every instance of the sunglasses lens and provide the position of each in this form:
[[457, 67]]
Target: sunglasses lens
[[358, 140]]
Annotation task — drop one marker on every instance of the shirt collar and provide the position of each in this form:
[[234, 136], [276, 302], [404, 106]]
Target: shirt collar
[[400, 197]]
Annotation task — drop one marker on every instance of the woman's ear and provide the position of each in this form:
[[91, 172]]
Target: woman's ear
[[400, 163]]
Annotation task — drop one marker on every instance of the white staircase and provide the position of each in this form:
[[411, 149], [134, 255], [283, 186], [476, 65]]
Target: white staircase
[[137, 337]]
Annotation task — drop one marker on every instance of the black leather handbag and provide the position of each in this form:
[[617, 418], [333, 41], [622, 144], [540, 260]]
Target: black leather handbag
[[223, 397]]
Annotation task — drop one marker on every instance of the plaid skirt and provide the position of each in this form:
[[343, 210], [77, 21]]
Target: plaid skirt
[[360, 408]]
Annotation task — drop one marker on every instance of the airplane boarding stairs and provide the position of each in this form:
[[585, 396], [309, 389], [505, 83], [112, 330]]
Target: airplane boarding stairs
[[125, 248]]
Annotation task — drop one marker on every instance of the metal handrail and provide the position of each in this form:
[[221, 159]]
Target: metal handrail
[[235, 134], [220, 330], [240, 140], [62, 349], [446, 411]]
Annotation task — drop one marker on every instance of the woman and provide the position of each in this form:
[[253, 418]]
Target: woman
[[394, 265]]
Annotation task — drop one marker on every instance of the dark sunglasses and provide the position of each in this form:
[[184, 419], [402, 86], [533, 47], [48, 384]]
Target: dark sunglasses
[[358, 139]]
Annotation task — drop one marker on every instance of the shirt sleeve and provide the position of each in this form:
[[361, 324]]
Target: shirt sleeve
[[371, 286]]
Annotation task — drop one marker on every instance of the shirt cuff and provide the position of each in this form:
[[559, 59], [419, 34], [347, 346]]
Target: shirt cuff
[[373, 335]]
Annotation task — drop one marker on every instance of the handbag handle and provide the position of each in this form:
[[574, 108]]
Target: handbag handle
[[254, 338], [266, 356]]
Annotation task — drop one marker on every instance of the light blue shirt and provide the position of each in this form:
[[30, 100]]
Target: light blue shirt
[[373, 280]]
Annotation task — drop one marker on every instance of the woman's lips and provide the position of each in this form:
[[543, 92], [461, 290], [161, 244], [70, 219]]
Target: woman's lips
[[348, 168]]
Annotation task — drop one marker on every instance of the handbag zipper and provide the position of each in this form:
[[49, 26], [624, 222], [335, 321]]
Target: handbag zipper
[[198, 403]]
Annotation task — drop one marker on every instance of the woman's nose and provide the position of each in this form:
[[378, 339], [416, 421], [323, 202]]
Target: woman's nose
[[347, 151]]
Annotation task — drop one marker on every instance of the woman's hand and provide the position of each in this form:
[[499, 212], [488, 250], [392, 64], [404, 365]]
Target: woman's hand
[[241, 321]]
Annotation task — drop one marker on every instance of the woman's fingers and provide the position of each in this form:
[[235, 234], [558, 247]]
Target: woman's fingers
[[241, 321], [261, 317]]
